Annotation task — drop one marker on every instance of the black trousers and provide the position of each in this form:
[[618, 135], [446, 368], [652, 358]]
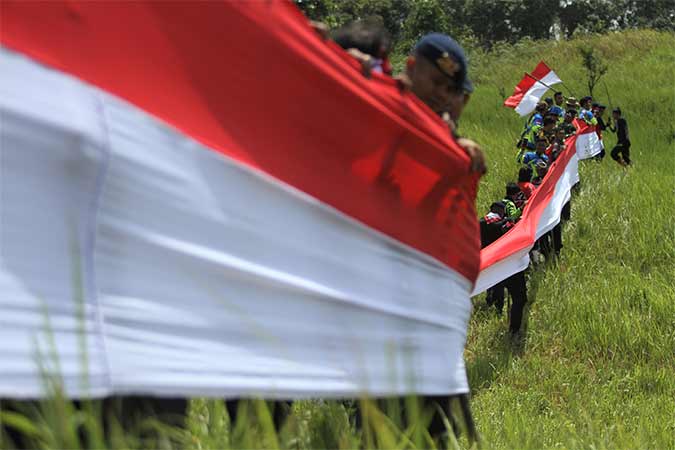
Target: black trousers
[[623, 149], [556, 234], [517, 288]]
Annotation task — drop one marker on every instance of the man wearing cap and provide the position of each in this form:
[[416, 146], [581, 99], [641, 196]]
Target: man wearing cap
[[437, 74], [621, 151], [572, 103]]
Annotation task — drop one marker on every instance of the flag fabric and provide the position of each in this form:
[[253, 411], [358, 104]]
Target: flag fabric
[[510, 254], [588, 142], [531, 89], [213, 201]]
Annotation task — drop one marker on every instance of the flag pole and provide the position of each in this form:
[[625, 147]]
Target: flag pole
[[538, 80], [546, 85]]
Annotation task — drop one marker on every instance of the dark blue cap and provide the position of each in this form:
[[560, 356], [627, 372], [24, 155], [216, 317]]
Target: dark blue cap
[[448, 57], [497, 205]]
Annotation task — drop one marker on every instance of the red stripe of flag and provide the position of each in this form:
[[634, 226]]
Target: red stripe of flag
[[253, 81], [526, 83]]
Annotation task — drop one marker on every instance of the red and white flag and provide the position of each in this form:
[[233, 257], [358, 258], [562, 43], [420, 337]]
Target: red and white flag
[[213, 201], [588, 143], [531, 89]]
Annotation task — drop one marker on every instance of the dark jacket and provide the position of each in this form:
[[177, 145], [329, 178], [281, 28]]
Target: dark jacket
[[621, 130]]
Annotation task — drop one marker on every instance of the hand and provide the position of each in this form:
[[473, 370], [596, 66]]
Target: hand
[[367, 61], [404, 82], [475, 154], [320, 28]]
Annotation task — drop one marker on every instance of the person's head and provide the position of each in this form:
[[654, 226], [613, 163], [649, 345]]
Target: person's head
[[438, 72], [542, 169], [498, 208], [549, 101], [572, 103], [601, 110], [541, 144], [368, 36], [512, 189], [524, 174], [558, 98], [586, 102], [570, 114], [541, 107], [550, 121], [616, 113]]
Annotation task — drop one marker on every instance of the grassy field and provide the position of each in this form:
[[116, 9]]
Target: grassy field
[[595, 367]]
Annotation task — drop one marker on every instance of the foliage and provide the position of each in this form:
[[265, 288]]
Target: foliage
[[594, 65], [594, 368], [487, 22]]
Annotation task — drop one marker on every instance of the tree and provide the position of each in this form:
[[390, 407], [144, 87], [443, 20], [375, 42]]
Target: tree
[[594, 65]]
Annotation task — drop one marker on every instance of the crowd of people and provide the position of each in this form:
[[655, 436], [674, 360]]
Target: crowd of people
[[541, 142], [437, 72]]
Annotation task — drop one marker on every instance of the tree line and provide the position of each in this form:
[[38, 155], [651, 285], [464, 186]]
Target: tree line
[[486, 22]]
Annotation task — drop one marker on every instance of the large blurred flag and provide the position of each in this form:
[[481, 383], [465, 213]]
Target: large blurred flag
[[531, 88], [209, 199]]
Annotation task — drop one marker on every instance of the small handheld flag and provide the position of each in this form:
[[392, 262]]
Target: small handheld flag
[[531, 88]]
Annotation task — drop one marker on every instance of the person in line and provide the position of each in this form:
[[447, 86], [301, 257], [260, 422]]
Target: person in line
[[492, 226], [532, 158], [568, 123], [540, 171], [524, 181], [557, 107], [585, 103], [558, 144], [621, 151], [537, 117], [514, 202], [437, 73], [368, 41], [548, 128], [572, 103]]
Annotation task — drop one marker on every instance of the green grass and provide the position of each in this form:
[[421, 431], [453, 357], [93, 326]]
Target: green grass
[[596, 365]]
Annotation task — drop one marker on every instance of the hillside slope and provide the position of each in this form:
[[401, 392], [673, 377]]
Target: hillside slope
[[595, 366]]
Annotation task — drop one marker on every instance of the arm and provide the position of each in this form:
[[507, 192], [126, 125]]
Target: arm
[[512, 211]]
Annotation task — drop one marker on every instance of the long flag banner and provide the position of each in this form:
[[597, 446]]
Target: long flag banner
[[531, 88], [213, 201], [510, 254]]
